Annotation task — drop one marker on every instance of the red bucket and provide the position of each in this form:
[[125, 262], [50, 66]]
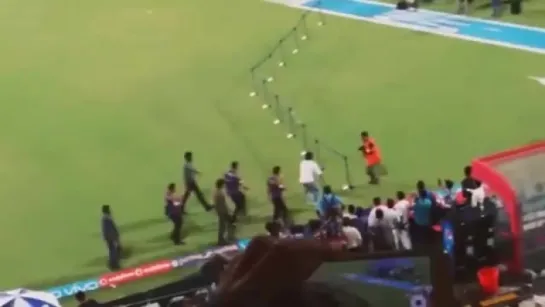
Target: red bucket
[[489, 279]]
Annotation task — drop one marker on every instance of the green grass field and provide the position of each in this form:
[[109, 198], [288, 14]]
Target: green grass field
[[100, 99]]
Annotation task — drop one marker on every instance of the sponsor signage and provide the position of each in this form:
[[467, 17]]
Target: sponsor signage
[[143, 271], [195, 259], [129, 275], [73, 288]]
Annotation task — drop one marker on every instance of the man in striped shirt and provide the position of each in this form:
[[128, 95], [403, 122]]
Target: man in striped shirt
[[190, 180], [234, 187]]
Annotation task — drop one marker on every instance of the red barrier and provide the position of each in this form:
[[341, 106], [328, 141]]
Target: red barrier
[[499, 173], [133, 274]]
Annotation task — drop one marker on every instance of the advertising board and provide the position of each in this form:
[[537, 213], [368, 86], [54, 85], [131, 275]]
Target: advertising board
[[73, 288]]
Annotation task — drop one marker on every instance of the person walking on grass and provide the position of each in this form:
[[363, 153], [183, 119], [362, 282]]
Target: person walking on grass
[[174, 213], [235, 189], [309, 175], [275, 190], [190, 179], [371, 154], [225, 225]]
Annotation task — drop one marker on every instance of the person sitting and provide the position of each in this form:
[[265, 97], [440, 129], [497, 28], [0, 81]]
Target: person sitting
[[350, 212], [351, 234], [360, 213], [360, 222], [83, 301], [274, 229], [298, 230], [314, 229]]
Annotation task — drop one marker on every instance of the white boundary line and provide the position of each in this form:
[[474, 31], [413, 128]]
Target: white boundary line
[[298, 5]]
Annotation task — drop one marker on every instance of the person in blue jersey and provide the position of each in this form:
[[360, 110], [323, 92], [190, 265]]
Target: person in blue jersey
[[424, 203], [329, 207], [275, 190], [235, 190]]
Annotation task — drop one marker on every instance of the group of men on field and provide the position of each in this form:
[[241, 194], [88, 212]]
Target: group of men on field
[[231, 186]]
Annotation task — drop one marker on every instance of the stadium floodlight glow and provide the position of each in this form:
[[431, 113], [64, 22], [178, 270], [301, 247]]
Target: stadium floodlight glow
[[281, 64], [270, 79], [295, 51], [304, 37], [252, 94], [290, 135], [265, 106], [276, 121]]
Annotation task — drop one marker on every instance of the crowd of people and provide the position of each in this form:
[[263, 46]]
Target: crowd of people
[[397, 223], [401, 222], [231, 187]]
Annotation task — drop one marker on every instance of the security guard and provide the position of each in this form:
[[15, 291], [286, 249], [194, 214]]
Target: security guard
[[110, 234], [371, 154]]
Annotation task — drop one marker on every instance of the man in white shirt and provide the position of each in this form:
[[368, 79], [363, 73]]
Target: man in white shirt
[[377, 204], [309, 174], [387, 221], [477, 195], [352, 235], [401, 228]]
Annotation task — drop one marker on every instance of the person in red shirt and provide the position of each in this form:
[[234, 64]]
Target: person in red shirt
[[371, 154]]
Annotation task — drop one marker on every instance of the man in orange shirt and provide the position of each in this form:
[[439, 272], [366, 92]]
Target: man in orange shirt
[[371, 154]]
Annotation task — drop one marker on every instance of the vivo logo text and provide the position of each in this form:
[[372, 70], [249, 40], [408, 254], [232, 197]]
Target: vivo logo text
[[72, 289]]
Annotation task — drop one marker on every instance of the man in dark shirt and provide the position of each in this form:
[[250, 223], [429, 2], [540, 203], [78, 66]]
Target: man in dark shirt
[[174, 213], [234, 187], [225, 226], [110, 234], [83, 301], [275, 189], [273, 228], [468, 183], [190, 180]]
